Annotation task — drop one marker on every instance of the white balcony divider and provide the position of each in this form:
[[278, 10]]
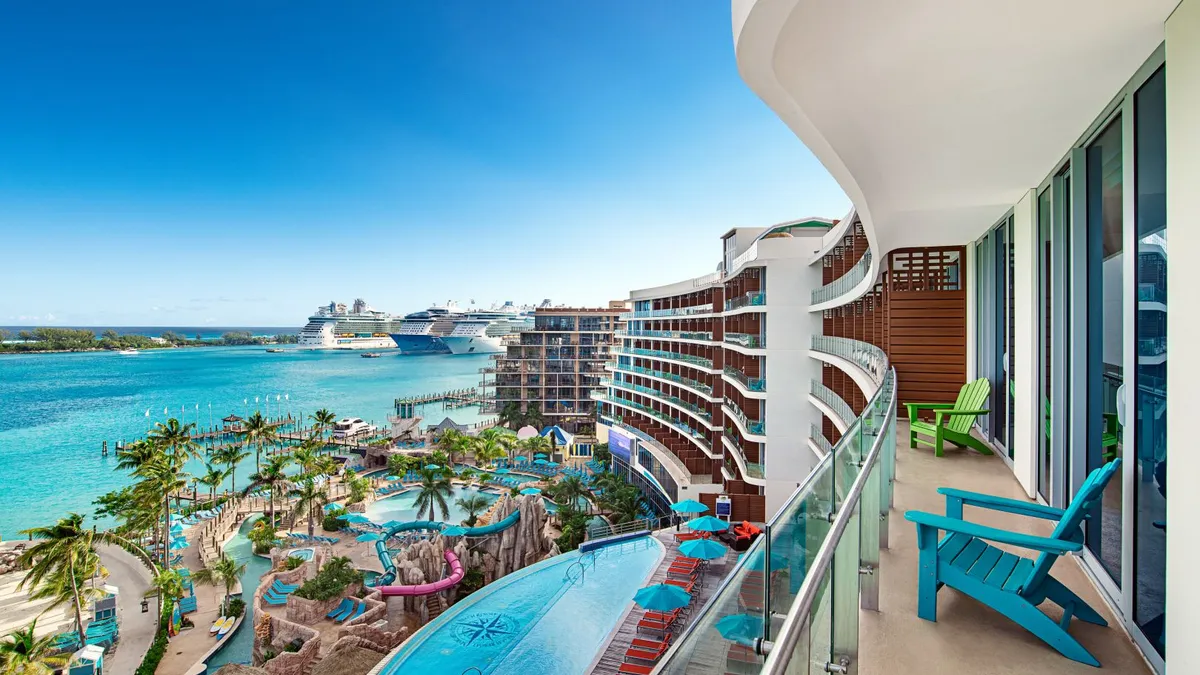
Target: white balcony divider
[[824, 543], [845, 283]]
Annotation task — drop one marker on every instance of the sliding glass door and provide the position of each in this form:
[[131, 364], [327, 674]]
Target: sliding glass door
[[994, 331]]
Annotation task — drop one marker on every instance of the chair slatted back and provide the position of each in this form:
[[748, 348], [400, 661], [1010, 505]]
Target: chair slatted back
[[972, 396], [1085, 500]]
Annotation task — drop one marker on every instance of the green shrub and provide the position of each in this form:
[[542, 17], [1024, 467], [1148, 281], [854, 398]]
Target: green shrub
[[293, 562], [263, 547], [333, 522], [331, 580], [471, 582], [236, 607]]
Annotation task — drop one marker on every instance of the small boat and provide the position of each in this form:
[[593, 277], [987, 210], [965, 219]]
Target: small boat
[[275, 351], [372, 355], [226, 626], [217, 625], [128, 352]]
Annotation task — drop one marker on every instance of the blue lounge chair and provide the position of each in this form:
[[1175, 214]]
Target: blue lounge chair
[[345, 613], [342, 606], [1009, 584], [362, 607], [272, 599]]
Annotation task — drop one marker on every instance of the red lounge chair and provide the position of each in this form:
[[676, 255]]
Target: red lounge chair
[[635, 669], [686, 536], [685, 584], [645, 654], [662, 616], [650, 624], [642, 643]]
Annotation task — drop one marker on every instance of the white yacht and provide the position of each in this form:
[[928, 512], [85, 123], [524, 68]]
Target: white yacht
[[422, 332], [359, 327], [485, 331], [128, 352], [349, 427]]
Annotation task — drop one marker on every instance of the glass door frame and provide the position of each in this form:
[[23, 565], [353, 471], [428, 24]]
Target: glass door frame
[[990, 351]]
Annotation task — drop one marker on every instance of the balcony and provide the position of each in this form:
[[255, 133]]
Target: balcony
[[696, 436], [751, 383], [758, 299], [872, 361], [1152, 293], [845, 284], [670, 356], [751, 470], [694, 385], [693, 409], [842, 411], [818, 442], [675, 311], [701, 336], [663, 455], [745, 340], [1152, 346], [752, 427]]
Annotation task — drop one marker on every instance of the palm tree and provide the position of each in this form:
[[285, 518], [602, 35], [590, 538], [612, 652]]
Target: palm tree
[[309, 498], [135, 454], [65, 549], [533, 416], [473, 505], [271, 476], [257, 431], [163, 476], [224, 572], [212, 479], [22, 653], [322, 419], [535, 444], [175, 440], [626, 505], [511, 416], [305, 457], [432, 494], [453, 442], [231, 456], [167, 584], [503, 439], [569, 490]]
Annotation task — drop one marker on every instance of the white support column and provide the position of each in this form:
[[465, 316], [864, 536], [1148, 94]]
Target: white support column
[[1183, 366], [1027, 407]]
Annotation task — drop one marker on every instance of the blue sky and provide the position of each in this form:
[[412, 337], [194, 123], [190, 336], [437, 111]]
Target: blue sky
[[237, 163]]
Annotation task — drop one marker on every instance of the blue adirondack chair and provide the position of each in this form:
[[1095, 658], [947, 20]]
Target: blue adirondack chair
[[1010, 584]]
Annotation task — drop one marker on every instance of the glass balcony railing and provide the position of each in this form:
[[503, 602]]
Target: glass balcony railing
[[845, 283], [746, 300], [670, 334], [751, 383], [648, 391], [660, 354], [663, 375], [677, 424], [1152, 346], [753, 469], [619, 421], [756, 428], [828, 397], [816, 564], [818, 437], [746, 340], [865, 355], [1151, 293], [674, 311]]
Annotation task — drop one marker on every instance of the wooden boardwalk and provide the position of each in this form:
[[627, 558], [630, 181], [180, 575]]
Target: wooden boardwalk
[[614, 653]]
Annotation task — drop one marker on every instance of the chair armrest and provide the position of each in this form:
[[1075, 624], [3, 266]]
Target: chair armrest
[[1044, 544], [939, 414], [985, 501], [915, 408]]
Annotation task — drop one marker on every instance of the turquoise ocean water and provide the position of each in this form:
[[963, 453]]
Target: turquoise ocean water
[[55, 409]]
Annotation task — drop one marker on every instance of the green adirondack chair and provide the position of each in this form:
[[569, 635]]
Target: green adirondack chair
[[1010, 584], [952, 421]]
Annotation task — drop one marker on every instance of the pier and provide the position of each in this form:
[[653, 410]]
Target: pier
[[455, 398]]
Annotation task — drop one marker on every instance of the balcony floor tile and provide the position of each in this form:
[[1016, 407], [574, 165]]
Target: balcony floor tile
[[969, 637]]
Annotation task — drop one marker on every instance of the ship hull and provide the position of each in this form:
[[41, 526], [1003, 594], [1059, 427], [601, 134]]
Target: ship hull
[[477, 344], [419, 344]]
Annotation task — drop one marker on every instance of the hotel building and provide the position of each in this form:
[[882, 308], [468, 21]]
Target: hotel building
[[1013, 169]]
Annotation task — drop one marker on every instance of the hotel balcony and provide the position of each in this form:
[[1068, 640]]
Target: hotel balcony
[[752, 472], [746, 341], [695, 436], [696, 310], [755, 299], [682, 335], [750, 385], [697, 361], [748, 426], [695, 386], [701, 415]]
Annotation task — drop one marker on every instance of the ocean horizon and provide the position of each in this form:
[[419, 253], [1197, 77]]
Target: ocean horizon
[[192, 332]]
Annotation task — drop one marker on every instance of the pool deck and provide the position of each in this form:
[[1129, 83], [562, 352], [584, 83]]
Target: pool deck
[[614, 652]]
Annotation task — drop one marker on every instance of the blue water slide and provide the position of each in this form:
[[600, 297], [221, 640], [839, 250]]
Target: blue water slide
[[389, 568]]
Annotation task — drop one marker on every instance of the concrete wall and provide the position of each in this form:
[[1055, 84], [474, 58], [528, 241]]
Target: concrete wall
[[1183, 213]]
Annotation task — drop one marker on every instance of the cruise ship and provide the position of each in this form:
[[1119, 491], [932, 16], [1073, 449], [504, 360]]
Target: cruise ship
[[484, 332], [422, 332], [334, 326]]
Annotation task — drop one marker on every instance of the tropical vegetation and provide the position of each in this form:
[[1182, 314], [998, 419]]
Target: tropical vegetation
[[331, 580], [61, 560], [514, 418], [432, 495], [259, 432], [225, 572], [23, 653], [473, 505], [310, 497], [46, 339]]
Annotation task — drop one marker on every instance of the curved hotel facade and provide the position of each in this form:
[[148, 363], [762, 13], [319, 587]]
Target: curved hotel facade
[[1013, 168]]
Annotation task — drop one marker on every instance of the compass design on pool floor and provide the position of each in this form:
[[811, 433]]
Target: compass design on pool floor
[[486, 628]]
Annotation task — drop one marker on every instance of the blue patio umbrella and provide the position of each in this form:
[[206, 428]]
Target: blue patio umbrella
[[704, 549], [332, 507], [432, 467], [689, 506], [540, 461], [708, 524], [393, 478], [177, 528], [740, 627], [179, 544], [531, 491], [356, 518], [551, 463], [390, 524], [368, 536], [540, 455], [757, 557], [454, 531], [500, 471], [662, 598]]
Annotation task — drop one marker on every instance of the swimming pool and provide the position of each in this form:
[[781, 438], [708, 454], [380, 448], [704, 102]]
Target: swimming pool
[[239, 646], [301, 553], [402, 507], [535, 621]]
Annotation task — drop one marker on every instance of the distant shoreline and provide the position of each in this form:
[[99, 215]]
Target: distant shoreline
[[42, 340], [86, 350]]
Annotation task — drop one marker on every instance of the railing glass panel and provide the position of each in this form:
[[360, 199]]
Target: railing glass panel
[[676, 334], [751, 383], [830, 398], [661, 374], [865, 355], [845, 283], [746, 340], [746, 300], [659, 354], [754, 427]]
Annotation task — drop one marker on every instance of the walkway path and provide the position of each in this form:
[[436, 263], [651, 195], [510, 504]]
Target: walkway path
[[127, 573]]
